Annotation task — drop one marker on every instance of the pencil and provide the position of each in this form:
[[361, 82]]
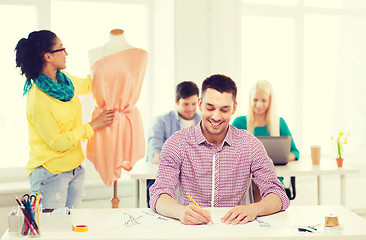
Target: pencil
[[195, 202], [26, 216], [37, 210]]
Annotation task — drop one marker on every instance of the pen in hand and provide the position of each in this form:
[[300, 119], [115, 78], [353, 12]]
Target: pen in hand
[[195, 203]]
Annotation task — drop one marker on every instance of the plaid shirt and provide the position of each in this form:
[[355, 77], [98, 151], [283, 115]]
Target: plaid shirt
[[214, 176]]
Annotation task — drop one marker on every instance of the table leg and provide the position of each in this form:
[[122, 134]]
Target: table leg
[[343, 190], [142, 195], [319, 191], [137, 194]]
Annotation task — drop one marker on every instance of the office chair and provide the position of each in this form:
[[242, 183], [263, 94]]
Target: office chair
[[254, 195], [291, 191]]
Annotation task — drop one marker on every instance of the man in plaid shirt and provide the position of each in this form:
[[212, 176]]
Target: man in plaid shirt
[[214, 162]]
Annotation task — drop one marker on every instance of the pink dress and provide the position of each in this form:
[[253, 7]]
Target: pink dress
[[117, 82]]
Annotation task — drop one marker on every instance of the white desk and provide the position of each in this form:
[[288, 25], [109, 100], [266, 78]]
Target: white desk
[[115, 224], [143, 171]]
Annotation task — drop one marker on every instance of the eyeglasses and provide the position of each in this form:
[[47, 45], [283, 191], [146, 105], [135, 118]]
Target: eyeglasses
[[58, 50]]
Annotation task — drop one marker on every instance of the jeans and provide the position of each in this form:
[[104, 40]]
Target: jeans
[[58, 190]]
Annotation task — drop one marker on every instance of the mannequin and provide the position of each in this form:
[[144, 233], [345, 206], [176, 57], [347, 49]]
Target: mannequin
[[117, 42], [117, 69]]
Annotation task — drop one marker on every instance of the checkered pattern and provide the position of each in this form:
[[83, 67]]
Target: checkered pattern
[[186, 160]]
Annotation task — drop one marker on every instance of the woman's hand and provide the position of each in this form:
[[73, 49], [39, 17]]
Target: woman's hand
[[291, 157], [103, 119]]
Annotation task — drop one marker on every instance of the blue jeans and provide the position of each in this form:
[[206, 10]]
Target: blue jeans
[[58, 190]]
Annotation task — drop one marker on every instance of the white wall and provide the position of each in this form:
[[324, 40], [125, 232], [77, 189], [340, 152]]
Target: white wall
[[206, 39]]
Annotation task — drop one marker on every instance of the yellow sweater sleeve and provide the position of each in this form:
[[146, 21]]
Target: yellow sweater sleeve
[[58, 139], [82, 85]]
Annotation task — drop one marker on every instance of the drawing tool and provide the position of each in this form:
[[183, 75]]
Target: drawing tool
[[195, 203], [37, 209], [28, 209], [26, 217]]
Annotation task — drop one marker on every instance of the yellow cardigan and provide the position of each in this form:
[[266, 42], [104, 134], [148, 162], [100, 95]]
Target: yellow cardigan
[[56, 129]]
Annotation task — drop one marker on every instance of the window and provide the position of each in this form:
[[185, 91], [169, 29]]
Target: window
[[270, 60], [313, 54], [13, 122]]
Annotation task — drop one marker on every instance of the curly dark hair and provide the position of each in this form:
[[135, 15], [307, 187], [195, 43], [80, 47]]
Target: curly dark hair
[[30, 51]]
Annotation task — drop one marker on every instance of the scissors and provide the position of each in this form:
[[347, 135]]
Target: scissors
[[30, 199]]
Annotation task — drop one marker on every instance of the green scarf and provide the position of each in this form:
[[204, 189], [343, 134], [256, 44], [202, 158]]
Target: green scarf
[[62, 90]]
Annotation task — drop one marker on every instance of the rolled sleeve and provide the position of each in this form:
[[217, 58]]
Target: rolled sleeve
[[264, 175], [168, 173]]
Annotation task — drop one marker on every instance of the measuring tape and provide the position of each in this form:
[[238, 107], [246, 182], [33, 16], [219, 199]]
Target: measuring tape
[[80, 228], [331, 220]]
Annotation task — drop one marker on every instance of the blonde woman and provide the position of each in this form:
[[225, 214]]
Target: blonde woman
[[262, 119]]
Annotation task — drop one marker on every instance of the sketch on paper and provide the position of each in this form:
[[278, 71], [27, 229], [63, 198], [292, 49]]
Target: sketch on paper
[[146, 216], [135, 219], [262, 223]]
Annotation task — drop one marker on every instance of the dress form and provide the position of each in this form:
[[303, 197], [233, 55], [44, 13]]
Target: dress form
[[104, 61], [117, 42]]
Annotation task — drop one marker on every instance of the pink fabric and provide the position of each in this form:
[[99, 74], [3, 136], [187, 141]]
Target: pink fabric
[[122, 143]]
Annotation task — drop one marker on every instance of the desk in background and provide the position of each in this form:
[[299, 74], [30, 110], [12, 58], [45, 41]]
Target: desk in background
[[136, 223], [143, 171]]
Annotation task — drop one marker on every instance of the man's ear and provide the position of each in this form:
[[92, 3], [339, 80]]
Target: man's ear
[[200, 104], [234, 108], [47, 57]]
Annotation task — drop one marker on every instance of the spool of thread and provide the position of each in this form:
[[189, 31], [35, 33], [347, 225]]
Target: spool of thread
[[331, 220], [80, 228]]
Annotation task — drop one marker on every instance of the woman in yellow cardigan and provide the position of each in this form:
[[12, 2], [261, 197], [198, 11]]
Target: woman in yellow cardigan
[[54, 120]]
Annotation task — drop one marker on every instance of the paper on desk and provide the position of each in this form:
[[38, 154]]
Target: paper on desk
[[145, 218], [260, 222]]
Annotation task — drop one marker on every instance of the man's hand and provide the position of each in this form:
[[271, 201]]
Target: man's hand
[[241, 214], [191, 214], [194, 215], [155, 158]]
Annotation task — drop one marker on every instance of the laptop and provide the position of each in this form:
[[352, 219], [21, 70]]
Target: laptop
[[278, 148]]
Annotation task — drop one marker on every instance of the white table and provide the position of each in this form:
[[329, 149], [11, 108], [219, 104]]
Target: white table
[[115, 224], [326, 167], [143, 171]]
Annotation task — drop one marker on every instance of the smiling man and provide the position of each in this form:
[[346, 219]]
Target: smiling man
[[185, 115], [214, 162]]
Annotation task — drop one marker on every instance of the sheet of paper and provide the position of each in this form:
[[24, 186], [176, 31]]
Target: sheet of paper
[[147, 218]]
